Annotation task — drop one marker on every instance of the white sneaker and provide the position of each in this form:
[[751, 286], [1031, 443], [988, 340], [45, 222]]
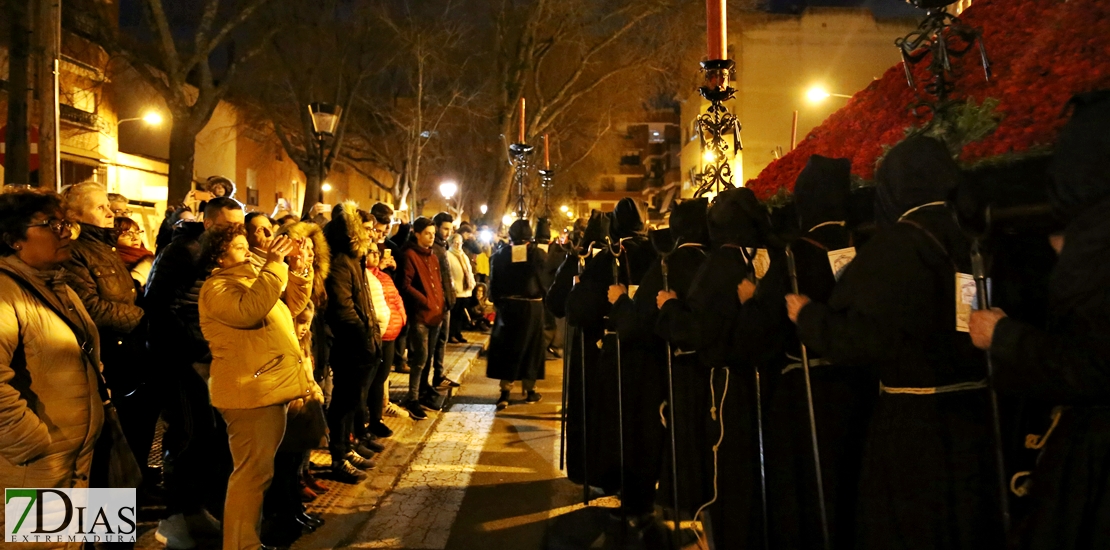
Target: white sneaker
[[395, 410], [174, 533]]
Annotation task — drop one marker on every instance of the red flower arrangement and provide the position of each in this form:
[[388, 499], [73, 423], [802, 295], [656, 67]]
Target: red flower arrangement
[[1042, 52]]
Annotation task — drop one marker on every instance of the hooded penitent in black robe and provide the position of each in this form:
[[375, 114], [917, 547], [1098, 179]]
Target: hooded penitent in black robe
[[928, 477], [624, 259], [705, 323], [1068, 363], [843, 395], [586, 328], [516, 347], [644, 360]]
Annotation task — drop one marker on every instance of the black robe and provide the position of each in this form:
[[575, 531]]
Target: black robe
[[1068, 363], [928, 477], [704, 323], [585, 308], [843, 398], [588, 308], [516, 348]]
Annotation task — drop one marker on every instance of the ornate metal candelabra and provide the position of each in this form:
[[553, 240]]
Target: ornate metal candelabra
[[547, 181], [519, 153], [714, 126], [934, 38]]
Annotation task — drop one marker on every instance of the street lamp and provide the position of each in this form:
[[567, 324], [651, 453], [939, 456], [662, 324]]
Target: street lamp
[[564, 208], [325, 119], [483, 209], [817, 94], [448, 189], [326, 187], [151, 118]]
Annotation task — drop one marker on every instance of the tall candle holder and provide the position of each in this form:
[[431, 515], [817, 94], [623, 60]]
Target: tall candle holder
[[547, 181], [714, 126], [934, 37], [519, 153]]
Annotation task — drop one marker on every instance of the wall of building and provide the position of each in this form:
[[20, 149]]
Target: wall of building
[[778, 59]]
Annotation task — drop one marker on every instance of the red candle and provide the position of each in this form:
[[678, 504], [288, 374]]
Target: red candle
[[521, 140], [718, 29], [546, 154]]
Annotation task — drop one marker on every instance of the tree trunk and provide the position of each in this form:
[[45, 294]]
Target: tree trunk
[[183, 147], [17, 142], [312, 191], [49, 45], [502, 196]]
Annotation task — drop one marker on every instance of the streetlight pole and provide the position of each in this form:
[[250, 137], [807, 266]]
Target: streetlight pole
[[325, 120]]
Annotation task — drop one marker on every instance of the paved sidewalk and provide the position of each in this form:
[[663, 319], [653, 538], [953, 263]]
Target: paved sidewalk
[[347, 507]]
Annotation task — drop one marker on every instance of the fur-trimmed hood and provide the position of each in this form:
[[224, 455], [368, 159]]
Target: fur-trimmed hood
[[344, 233], [321, 265]]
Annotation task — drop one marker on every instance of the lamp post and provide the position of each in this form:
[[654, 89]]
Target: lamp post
[[448, 189], [325, 120]]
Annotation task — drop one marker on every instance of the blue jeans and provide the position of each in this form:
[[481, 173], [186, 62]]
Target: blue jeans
[[422, 338]]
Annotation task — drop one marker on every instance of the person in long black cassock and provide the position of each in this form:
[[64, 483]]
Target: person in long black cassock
[[928, 477], [584, 352], [516, 346], [643, 355], [705, 322], [843, 395], [625, 256], [553, 255], [1068, 363]]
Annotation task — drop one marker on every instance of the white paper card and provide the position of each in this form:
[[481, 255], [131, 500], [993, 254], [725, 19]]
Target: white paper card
[[520, 253], [839, 260], [632, 290], [543, 246], [761, 263], [965, 301]]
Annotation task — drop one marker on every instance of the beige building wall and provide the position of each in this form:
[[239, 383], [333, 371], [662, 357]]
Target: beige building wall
[[778, 59]]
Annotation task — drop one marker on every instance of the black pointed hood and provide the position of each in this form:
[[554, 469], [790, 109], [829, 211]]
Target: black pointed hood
[[689, 221], [626, 219], [737, 217], [917, 171], [1081, 165], [543, 230], [594, 231], [822, 190], [520, 232]]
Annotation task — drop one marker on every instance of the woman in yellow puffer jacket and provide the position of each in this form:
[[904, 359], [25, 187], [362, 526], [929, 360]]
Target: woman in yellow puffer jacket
[[257, 365]]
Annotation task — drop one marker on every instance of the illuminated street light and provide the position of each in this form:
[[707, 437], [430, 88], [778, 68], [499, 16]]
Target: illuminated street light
[[564, 208], [484, 209], [326, 187], [570, 215], [152, 118], [448, 189], [817, 94], [507, 219]]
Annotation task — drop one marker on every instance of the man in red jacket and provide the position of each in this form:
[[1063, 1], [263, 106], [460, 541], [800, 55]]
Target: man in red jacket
[[422, 290]]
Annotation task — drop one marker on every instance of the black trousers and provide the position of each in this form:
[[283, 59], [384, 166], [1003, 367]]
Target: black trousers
[[347, 413], [196, 455]]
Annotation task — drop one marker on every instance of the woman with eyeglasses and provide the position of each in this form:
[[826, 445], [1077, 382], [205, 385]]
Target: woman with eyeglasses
[[50, 406], [134, 254]]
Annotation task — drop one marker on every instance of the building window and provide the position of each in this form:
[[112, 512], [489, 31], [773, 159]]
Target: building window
[[252, 196], [630, 159], [77, 172]]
